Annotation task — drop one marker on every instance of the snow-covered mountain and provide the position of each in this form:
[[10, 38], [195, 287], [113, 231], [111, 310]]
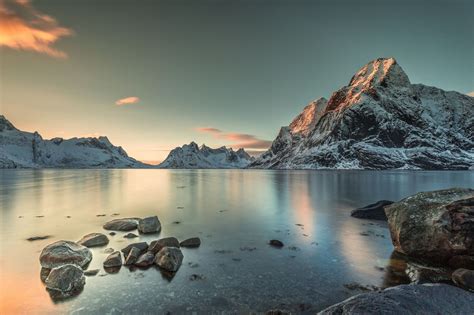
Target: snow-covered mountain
[[20, 149], [191, 156], [379, 121]]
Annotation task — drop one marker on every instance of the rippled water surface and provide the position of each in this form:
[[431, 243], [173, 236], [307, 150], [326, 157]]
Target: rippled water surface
[[234, 212]]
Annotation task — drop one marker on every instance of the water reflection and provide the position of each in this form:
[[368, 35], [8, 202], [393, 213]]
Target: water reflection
[[231, 210]]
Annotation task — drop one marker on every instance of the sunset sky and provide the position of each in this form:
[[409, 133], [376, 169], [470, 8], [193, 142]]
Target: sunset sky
[[153, 75]]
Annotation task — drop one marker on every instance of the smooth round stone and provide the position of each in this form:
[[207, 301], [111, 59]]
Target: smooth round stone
[[65, 281], [191, 242], [125, 224], [64, 252], [93, 240]]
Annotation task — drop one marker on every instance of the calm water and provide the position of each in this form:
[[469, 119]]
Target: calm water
[[235, 212]]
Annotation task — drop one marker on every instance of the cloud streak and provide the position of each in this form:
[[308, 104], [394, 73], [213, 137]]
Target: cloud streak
[[22, 27], [127, 101], [238, 140], [471, 94]]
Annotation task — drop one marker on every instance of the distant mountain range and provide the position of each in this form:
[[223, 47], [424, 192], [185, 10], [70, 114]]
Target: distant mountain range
[[192, 156], [379, 121]]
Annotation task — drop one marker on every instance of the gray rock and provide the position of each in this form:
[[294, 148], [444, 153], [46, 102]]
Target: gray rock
[[276, 243], [125, 224], [149, 225], [434, 225], [132, 256], [113, 260], [91, 272], [464, 278], [419, 273], [145, 260], [130, 235], [38, 238], [156, 246], [169, 258], [93, 240], [191, 242], [44, 273], [374, 211], [64, 252], [408, 299], [65, 281], [142, 246], [462, 261]]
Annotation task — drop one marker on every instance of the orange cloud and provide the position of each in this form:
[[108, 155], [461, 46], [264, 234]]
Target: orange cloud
[[127, 100], [240, 140], [471, 93], [24, 28]]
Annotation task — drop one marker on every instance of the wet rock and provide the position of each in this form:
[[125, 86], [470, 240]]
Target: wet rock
[[92, 272], [38, 238], [145, 260], [112, 233], [65, 281], [434, 225], [113, 260], [64, 252], [130, 235], [149, 225], [93, 240], [142, 246], [276, 243], [132, 256], [357, 286], [374, 211], [126, 224], [407, 299], [156, 246], [462, 261], [191, 242], [464, 278], [169, 258], [277, 312], [426, 274], [44, 273]]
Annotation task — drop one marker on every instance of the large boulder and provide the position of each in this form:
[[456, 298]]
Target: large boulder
[[93, 240], [408, 299], [65, 252], [65, 281], [169, 258], [125, 224], [149, 225], [435, 225], [374, 211], [156, 246]]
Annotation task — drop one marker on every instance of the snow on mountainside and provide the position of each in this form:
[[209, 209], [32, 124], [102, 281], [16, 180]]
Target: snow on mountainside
[[191, 156], [20, 149], [379, 121]]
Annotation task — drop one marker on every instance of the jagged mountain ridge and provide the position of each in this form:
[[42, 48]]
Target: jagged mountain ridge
[[379, 121], [192, 156], [21, 149]]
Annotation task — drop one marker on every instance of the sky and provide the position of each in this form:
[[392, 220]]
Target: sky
[[154, 75]]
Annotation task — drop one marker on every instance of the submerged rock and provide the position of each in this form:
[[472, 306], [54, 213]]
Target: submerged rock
[[464, 278], [38, 238], [93, 240], [145, 260], [142, 246], [125, 224], [407, 299], [91, 272], [132, 256], [276, 243], [191, 242], [156, 246], [149, 225], [374, 211], [113, 260], [130, 235], [434, 225], [64, 252], [65, 281], [169, 258]]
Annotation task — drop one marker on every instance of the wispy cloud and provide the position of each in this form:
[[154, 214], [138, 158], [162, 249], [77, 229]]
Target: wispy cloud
[[238, 140], [471, 93], [22, 27], [127, 100]]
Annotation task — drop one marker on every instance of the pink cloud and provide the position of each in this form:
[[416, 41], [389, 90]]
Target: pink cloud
[[22, 27], [239, 140], [209, 130], [127, 100]]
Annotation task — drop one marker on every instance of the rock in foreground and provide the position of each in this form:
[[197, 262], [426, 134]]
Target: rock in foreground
[[374, 211], [408, 299], [149, 225], [93, 240], [169, 258], [65, 281], [113, 260], [191, 242], [126, 224], [64, 252], [434, 225], [464, 278], [142, 246]]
